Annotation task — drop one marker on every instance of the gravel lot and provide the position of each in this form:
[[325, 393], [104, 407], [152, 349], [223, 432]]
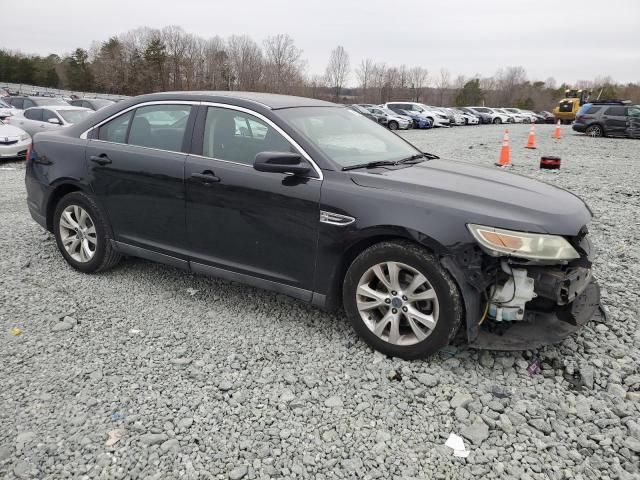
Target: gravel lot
[[153, 373]]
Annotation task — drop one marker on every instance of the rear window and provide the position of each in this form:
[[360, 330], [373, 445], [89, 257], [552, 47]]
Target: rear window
[[616, 111]]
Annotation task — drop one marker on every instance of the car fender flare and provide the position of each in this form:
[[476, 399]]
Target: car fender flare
[[58, 189]]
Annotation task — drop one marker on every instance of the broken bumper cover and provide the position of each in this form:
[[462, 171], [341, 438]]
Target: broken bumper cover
[[541, 328]]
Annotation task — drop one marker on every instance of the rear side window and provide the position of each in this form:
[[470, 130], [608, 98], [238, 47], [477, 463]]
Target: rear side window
[[238, 137], [616, 111], [593, 110], [33, 114], [75, 103], [116, 129], [28, 103], [159, 126], [17, 102]]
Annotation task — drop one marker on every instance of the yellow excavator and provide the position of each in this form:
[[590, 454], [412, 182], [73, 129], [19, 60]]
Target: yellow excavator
[[567, 108]]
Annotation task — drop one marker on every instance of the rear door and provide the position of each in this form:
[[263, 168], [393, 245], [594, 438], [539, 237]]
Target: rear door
[[136, 169], [615, 120], [240, 220], [30, 121]]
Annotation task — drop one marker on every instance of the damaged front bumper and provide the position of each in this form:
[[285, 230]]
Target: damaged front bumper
[[541, 327]]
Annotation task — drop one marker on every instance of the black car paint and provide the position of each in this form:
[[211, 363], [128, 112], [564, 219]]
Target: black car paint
[[263, 228]]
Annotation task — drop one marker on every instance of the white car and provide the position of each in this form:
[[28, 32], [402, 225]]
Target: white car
[[458, 117], [469, 119], [51, 117], [511, 118], [6, 110], [391, 119], [438, 119], [14, 142], [521, 117]]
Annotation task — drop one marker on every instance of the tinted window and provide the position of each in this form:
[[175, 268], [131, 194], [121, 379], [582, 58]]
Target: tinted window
[[634, 111], [116, 129], [28, 103], [239, 137], [616, 111], [33, 114], [159, 126], [47, 114], [17, 102], [593, 110], [49, 101]]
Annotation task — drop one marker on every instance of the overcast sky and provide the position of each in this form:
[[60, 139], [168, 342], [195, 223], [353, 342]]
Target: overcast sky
[[567, 40]]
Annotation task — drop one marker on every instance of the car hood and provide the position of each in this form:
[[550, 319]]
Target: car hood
[[484, 196], [10, 131]]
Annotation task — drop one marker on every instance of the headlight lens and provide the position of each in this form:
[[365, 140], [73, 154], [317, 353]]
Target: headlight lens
[[24, 136], [534, 246]]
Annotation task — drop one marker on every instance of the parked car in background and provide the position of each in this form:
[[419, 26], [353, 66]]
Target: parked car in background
[[455, 116], [418, 120], [490, 115], [469, 118], [548, 116], [437, 119], [510, 117], [23, 102], [91, 103], [38, 119], [6, 110], [520, 115], [608, 119], [483, 117], [535, 117], [14, 142], [390, 119], [362, 111]]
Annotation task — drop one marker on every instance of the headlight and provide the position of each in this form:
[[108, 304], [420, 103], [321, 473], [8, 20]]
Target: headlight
[[534, 246], [24, 136]]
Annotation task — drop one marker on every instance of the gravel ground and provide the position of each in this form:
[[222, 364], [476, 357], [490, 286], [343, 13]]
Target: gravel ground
[[153, 373]]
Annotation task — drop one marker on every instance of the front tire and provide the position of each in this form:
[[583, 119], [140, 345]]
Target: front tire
[[497, 121], [393, 125], [594, 131], [401, 301], [83, 235]]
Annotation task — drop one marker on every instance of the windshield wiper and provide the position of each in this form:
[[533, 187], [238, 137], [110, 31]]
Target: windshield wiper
[[379, 163]]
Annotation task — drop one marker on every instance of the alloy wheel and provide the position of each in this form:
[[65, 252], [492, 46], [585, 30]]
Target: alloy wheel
[[594, 131], [78, 233], [397, 303]]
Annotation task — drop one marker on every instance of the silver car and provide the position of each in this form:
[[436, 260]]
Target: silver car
[[51, 117], [14, 142]]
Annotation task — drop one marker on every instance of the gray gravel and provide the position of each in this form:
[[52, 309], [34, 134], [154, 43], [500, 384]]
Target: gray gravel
[[153, 373]]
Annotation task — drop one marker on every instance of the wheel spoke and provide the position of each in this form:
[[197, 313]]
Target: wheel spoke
[[394, 330], [82, 217], [429, 294], [367, 291], [415, 283], [86, 250], [422, 318], [69, 240], [73, 248], [382, 323], [377, 270], [67, 221], [394, 273], [417, 331]]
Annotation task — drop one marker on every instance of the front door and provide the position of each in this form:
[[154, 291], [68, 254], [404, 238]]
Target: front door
[[241, 220], [136, 169], [615, 120]]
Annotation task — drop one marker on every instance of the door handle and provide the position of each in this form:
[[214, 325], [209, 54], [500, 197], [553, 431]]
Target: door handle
[[101, 159], [207, 177]]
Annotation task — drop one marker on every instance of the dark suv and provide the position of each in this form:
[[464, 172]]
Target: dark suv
[[313, 200], [608, 119]]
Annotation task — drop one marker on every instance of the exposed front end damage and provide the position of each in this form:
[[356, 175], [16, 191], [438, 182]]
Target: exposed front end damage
[[517, 304]]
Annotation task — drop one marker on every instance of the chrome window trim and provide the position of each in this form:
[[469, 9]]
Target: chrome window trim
[[316, 168]]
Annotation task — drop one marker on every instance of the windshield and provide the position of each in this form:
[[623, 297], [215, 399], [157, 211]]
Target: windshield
[[74, 116], [346, 137]]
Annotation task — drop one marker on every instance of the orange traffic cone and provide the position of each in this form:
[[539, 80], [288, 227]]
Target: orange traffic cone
[[504, 161], [531, 140], [556, 132]]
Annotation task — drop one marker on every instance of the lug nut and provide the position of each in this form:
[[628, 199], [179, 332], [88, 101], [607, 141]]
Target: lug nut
[[394, 292], [404, 297], [404, 309], [395, 310], [387, 300]]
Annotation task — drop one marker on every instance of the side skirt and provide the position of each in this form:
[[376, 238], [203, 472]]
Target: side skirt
[[199, 268]]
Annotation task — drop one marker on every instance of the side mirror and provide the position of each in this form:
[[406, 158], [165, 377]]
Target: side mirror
[[280, 162], [55, 121]]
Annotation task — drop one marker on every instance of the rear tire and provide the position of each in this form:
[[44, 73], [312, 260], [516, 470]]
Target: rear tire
[[404, 320], [497, 121], [393, 125], [594, 131], [83, 234]]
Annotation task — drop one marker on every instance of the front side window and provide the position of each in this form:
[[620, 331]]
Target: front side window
[[116, 130], [33, 114], [346, 137], [238, 137], [616, 111], [48, 114], [634, 111], [28, 103], [159, 126]]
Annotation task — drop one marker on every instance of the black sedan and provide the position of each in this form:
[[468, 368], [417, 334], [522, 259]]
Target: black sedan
[[313, 200]]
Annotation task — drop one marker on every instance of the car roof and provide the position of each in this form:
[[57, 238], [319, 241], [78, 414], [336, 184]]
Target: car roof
[[59, 107], [272, 101]]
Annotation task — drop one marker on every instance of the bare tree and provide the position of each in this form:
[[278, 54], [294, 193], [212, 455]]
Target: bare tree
[[365, 73], [283, 66], [443, 84], [418, 78], [245, 59], [337, 70]]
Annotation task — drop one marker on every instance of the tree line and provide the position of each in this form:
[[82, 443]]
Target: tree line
[[147, 60]]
